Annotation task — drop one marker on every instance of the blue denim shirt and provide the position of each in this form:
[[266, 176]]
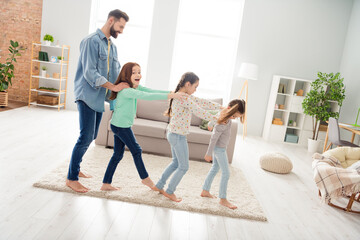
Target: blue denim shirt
[[92, 70]]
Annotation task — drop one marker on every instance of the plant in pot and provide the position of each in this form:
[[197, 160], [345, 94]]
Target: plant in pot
[[327, 88], [48, 39], [7, 71], [59, 59], [43, 71]]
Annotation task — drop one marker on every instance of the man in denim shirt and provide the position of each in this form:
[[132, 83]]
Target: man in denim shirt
[[98, 68]]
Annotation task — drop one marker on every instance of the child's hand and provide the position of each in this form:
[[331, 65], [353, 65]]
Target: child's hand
[[120, 86], [178, 95], [208, 158], [210, 128]]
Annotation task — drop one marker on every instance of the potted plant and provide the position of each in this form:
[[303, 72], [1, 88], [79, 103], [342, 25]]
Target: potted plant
[[325, 89], [7, 71], [59, 59], [43, 71], [48, 39]]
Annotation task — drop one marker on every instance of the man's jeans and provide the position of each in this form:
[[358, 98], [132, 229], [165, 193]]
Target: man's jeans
[[220, 160], [179, 165], [89, 126], [122, 137]]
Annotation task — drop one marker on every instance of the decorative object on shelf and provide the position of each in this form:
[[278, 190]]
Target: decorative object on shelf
[[47, 100], [248, 71], [53, 59], [56, 75], [291, 122], [281, 88], [277, 121], [276, 162], [43, 56], [46, 89], [300, 92], [276, 106], [59, 59], [317, 102], [48, 39], [7, 71], [294, 124], [43, 71], [292, 138], [57, 43], [281, 106]]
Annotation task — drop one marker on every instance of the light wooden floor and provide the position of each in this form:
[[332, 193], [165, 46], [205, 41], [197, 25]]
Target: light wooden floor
[[35, 140]]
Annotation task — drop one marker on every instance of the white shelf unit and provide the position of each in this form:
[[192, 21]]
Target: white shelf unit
[[37, 81], [292, 110]]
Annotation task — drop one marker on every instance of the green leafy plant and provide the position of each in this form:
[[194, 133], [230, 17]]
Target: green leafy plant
[[7, 68], [46, 88], [48, 37], [59, 58], [290, 122], [44, 68], [325, 89]]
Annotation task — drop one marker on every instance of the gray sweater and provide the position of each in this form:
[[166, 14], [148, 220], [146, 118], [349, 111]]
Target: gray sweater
[[220, 137]]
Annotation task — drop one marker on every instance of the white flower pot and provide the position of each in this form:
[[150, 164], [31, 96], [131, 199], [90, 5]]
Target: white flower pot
[[43, 73], [313, 145], [47, 43]]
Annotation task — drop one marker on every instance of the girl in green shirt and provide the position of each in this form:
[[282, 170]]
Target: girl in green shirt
[[123, 119]]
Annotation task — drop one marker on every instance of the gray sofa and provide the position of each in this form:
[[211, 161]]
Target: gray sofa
[[150, 131]]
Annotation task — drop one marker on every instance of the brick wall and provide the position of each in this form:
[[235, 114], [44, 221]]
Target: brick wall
[[20, 21]]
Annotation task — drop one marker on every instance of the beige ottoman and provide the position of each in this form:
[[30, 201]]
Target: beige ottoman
[[276, 162]]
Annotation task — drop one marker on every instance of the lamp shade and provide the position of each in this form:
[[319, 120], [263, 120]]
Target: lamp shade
[[249, 71]]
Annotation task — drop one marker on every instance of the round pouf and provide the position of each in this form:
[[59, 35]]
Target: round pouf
[[276, 162]]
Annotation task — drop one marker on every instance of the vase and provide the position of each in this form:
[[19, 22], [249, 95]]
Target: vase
[[43, 73], [313, 145], [47, 43]]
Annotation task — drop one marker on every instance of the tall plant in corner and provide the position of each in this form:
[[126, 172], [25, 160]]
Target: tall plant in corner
[[7, 68], [325, 89]]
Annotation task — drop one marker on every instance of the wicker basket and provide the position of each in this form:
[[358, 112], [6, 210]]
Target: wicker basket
[[47, 100], [3, 99]]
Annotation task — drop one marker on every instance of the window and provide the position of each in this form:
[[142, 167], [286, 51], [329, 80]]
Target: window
[[206, 43], [133, 44]]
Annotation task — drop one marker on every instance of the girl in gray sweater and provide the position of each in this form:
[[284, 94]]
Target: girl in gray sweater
[[217, 150]]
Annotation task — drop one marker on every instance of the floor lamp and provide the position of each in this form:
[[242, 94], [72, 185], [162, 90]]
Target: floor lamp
[[248, 71]]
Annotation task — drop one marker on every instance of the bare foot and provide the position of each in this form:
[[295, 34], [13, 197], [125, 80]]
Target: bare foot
[[205, 193], [83, 175], [158, 190], [226, 203], [76, 186], [172, 197], [148, 182], [108, 187]]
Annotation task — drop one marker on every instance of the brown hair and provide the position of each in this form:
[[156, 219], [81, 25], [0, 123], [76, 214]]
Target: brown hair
[[186, 77], [118, 14], [124, 76], [236, 105]]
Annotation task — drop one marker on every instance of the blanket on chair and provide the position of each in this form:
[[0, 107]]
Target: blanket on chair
[[332, 180]]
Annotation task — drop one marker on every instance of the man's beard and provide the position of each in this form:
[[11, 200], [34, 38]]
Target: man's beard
[[113, 33]]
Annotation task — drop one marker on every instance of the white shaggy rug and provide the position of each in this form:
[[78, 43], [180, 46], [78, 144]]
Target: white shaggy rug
[[132, 190]]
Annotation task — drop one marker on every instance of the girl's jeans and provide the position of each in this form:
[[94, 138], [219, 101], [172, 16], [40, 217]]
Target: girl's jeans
[[220, 160], [122, 137], [179, 165]]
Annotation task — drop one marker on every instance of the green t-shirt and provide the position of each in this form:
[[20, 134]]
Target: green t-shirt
[[125, 104]]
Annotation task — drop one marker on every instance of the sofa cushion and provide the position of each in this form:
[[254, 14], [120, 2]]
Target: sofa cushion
[[346, 155], [198, 135], [196, 121], [150, 128], [152, 110]]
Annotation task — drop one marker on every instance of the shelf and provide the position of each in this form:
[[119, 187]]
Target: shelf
[[291, 127], [284, 94], [60, 47], [281, 110], [54, 79], [35, 60], [47, 92], [44, 105]]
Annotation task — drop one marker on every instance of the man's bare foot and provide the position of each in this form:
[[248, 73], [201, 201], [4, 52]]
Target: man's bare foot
[[226, 203], [205, 193], [83, 175], [172, 197], [148, 182], [76, 186], [158, 190], [108, 187]]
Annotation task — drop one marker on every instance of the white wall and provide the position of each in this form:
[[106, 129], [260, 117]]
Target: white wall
[[292, 38], [68, 21], [350, 70]]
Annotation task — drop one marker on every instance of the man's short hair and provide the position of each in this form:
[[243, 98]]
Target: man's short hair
[[118, 14]]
